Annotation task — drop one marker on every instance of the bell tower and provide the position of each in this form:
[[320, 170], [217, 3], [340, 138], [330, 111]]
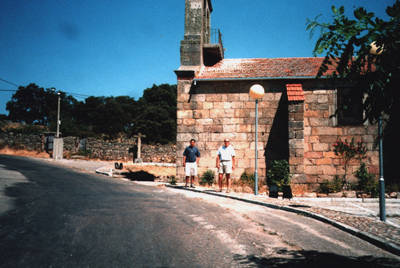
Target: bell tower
[[197, 31]]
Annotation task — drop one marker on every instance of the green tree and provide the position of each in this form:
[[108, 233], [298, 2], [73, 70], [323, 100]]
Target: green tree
[[156, 116], [106, 115], [27, 105], [346, 44]]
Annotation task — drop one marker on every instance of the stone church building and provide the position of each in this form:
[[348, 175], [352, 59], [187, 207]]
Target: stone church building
[[298, 121]]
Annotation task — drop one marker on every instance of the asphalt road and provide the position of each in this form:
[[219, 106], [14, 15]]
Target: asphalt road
[[57, 217]]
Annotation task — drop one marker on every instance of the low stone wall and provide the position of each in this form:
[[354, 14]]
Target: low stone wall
[[20, 141], [94, 148], [159, 153]]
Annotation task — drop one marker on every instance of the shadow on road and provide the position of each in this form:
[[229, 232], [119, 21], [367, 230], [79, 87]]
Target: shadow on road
[[303, 258], [139, 176]]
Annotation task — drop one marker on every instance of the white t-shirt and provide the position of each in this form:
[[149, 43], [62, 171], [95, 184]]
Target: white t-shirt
[[226, 153]]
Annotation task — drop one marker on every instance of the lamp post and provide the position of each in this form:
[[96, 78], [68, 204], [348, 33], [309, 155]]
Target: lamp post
[[377, 50], [382, 210], [256, 92], [58, 115], [57, 141]]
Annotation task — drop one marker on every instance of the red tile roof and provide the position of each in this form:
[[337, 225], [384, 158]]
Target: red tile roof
[[295, 92], [262, 68]]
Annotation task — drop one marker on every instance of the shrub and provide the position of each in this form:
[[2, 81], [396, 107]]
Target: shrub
[[172, 180], [247, 179], [348, 151], [279, 174], [366, 181], [393, 187], [207, 178], [334, 186]]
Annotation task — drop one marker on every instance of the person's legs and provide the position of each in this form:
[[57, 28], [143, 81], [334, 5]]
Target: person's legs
[[228, 171], [193, 174], [220, 176], [187, 173], [228, 182], [192, 181]]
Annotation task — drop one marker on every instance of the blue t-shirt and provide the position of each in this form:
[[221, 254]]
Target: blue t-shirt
[[191, 154]]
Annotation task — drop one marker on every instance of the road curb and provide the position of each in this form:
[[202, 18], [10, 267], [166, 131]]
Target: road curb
[[379, 242]]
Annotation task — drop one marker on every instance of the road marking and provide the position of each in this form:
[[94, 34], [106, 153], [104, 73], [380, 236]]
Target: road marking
[[223, 236]]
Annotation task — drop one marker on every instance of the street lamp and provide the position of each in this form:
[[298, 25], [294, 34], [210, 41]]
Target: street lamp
[[58, 115], [375, 50], [57, 141], [256, 92]]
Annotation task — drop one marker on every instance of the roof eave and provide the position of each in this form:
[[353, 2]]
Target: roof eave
[[259, 78]]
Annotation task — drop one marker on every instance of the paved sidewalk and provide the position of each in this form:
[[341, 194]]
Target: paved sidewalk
[[334, 211]]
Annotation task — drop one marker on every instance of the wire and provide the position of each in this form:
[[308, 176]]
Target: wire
[[8, 82], [11, 83]]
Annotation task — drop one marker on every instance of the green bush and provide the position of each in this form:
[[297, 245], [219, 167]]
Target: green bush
[[279, 174], [247, 179], [366, 181], [207, 178], [334, 186], [172, 180], [393, 187]]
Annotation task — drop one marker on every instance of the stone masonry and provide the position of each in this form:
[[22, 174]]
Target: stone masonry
[[321, 131], [211, 112], [297, 116]]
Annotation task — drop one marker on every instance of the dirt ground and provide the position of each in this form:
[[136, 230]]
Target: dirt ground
[[158, 171], [9, 151]]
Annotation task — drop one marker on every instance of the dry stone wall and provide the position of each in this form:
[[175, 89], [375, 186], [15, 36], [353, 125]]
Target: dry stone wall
[[121, 150], [20, 141]]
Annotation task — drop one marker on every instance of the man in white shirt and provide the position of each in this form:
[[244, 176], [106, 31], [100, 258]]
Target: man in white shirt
[[225, 164]]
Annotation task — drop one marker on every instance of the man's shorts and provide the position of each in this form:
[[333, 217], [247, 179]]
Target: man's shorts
[[191, 169], [225, 167]]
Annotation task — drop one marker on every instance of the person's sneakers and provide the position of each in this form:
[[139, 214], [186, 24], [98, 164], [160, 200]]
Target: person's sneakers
[[192, 186], [228, 191]]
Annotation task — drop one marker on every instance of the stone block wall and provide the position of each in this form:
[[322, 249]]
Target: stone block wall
[[296, 141], [321, 131], [212, 111]]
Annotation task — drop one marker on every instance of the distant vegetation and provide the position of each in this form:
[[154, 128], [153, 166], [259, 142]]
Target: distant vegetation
[[153, 115]]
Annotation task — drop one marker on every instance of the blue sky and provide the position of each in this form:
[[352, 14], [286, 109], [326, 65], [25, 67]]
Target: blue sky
[[113, 48]]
